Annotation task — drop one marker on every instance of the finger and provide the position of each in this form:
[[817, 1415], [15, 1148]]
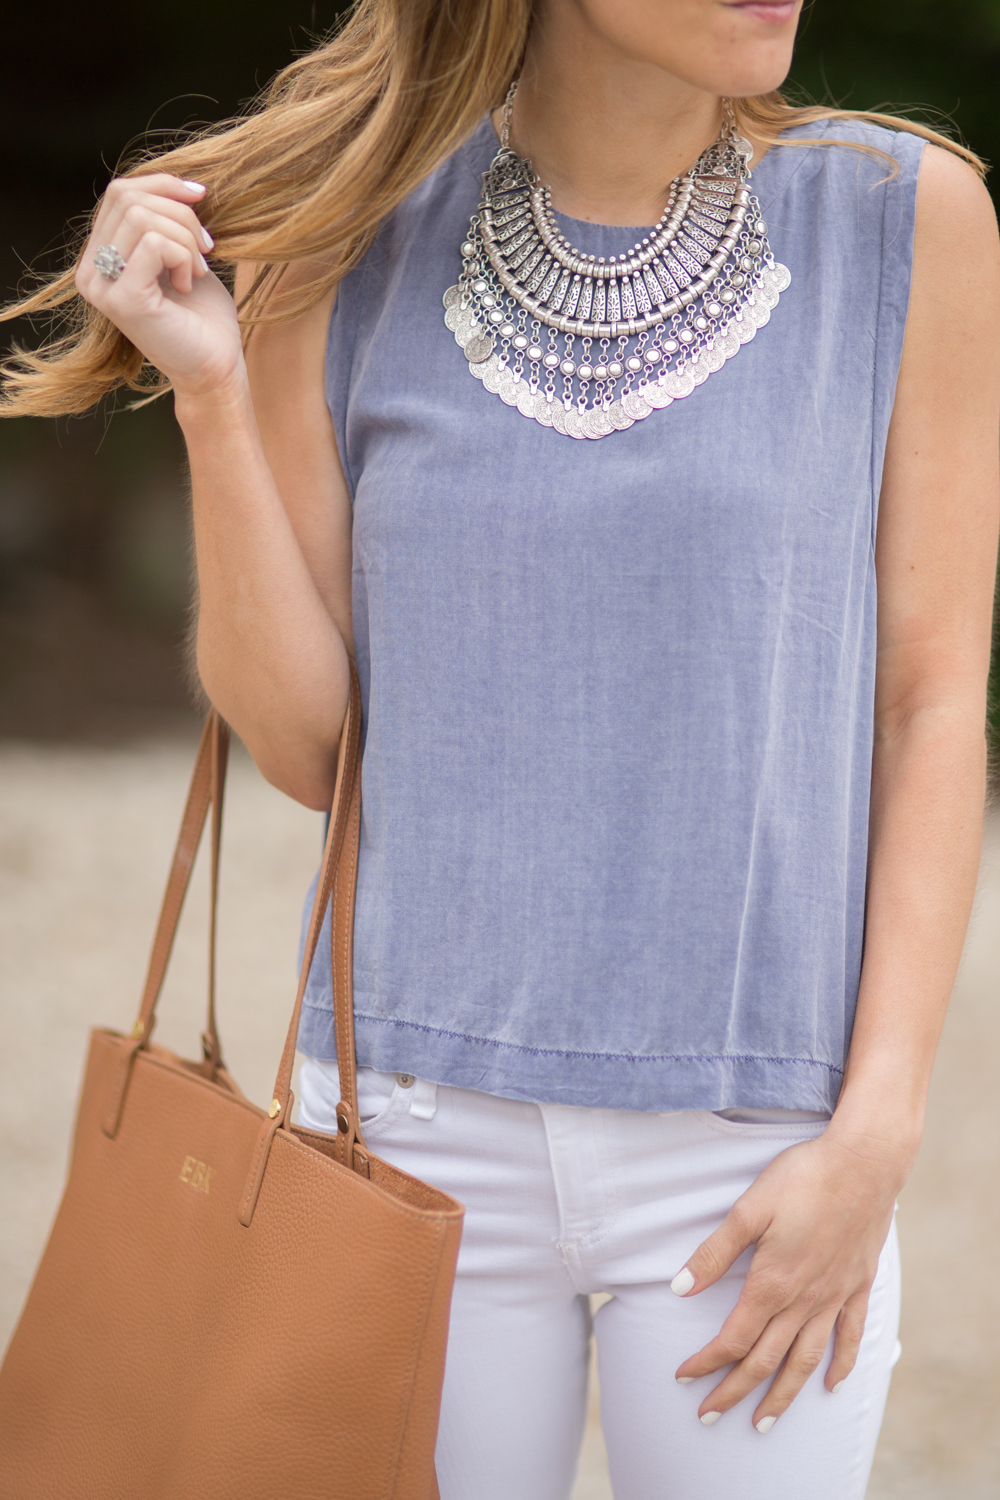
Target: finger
[[758, 1364], [714, 1256], [144, 263], [169, 185], [732, 1344], [132, 203], [139, 221], [157, 184], [803, 1359], [154, 254], [162, 184], [765, 1295], [850, 1331]]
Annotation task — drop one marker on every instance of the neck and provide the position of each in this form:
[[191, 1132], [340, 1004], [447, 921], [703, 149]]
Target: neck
[[606, 131]]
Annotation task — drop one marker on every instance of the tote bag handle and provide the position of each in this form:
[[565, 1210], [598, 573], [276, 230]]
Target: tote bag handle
[[208, 782], [337, 880]]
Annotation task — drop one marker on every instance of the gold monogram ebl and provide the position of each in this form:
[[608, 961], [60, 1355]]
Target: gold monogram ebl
[[196, 1173]]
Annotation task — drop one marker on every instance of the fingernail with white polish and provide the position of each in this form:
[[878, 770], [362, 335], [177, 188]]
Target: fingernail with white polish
[[838, 1387], [207, 239], [204, 263], [195, 187], [684, 1379], [682, 1282], [766, 1423], [709, 1418]]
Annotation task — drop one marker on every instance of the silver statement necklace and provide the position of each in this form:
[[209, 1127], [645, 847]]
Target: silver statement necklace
[[624, 336]]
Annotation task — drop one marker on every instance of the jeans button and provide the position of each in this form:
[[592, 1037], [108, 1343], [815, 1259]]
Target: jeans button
[[405, 1080]]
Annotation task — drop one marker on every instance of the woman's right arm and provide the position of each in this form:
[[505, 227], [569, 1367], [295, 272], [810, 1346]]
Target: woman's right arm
[[272, 515]]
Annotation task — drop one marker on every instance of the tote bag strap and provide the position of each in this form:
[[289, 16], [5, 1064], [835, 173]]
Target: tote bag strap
[[338, 875], [337, 882], [208, 781]]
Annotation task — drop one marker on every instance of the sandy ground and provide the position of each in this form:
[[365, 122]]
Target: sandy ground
[[85, 836]]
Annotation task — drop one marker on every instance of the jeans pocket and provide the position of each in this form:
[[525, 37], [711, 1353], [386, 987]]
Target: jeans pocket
[[775, 1128], [382, 1102]]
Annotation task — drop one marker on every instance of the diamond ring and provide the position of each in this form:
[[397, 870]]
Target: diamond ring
[[109, 262]]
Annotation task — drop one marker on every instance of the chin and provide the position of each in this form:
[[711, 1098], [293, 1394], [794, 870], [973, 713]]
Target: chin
[[744, 83], [739, 72], [724, 50]]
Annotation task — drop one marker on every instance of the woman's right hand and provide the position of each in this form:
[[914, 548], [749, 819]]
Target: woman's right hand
[[166, 301]]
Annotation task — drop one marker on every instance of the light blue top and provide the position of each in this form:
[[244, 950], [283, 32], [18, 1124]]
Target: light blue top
[[618, 694]]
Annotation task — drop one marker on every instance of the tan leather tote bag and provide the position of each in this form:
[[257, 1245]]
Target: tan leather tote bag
[[230, 1305]]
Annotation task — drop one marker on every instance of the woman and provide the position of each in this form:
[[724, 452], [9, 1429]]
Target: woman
[[643, 761]]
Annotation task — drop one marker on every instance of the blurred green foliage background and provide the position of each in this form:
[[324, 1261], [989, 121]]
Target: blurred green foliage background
[[94, 566]]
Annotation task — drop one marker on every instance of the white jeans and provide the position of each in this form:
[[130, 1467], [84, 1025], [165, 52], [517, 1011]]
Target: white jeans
[[561, 1202]]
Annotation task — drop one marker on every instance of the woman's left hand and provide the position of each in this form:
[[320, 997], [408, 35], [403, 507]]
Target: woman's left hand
[[819, 1215]]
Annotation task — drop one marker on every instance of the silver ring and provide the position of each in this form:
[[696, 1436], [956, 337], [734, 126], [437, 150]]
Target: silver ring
[[109, 262]]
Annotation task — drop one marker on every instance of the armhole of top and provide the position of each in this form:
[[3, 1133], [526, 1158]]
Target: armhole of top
[[899, 206], [341, 341]]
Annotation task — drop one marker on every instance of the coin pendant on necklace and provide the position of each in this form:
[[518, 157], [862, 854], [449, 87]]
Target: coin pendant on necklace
[[479, 347], [492, 374], [635, 406], [525, 400]]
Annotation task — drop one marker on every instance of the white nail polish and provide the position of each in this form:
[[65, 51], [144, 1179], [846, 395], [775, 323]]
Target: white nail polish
[[684, 1379], [204, 263], [766, 1423], [195, 187], [207, 239], [837, 1388], [682, 1282], [709, 1418]]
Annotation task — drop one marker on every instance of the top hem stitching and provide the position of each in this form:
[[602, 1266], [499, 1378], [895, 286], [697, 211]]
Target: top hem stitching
[[483, 1041]]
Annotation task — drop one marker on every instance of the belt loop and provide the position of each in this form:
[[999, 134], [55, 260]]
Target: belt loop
[[423, 1102]]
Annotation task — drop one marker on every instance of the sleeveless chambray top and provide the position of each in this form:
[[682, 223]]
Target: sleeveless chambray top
[[618, 694]]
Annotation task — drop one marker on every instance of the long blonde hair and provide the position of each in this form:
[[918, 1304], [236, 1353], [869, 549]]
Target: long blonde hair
[[339, 138]]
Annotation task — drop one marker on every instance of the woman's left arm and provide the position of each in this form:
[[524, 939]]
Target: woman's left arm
[[820, 1213]]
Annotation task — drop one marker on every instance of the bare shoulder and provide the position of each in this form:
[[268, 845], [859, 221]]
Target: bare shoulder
[[956, 267], [955, 214], [937, 519]]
